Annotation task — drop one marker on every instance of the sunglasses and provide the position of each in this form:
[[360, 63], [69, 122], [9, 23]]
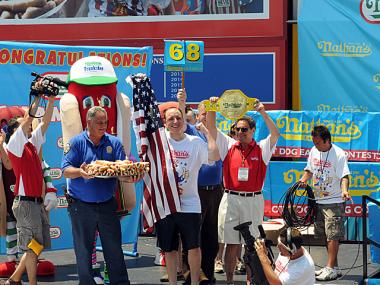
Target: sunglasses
[[243, 130]]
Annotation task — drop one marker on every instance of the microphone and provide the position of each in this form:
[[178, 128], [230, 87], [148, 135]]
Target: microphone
[[56, 80], [262, 232], [268, 244]]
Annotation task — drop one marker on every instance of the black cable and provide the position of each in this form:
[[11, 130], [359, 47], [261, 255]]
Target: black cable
[[298, 206]]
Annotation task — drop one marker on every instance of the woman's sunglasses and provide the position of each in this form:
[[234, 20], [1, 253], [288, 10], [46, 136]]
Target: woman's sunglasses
[[243, 130]]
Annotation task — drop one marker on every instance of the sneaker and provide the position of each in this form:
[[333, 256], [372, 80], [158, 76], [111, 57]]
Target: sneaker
[[319, 272], [97, 276], [165, 277], [338, 272], [219, 266], [327, 274], [240, 268], [202, 277], [11, 282]]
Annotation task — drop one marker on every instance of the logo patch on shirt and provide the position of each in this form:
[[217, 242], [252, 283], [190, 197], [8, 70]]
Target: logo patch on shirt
[[109, 149], [66, 148], [254, 158]]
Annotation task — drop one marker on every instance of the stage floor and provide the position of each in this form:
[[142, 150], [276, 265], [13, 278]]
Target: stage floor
[[143, 271]]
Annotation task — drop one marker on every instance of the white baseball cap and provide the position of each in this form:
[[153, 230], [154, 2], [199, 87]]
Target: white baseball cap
[[92, 70]]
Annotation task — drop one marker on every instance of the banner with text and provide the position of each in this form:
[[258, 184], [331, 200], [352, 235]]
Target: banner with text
[[17, 61], [281, 175], [339, 55], [357, 133]]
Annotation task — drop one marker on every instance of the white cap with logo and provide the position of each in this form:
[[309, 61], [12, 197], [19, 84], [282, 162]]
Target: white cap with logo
[[92, 70]]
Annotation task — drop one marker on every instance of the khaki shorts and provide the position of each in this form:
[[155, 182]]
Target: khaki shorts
[[32, 222], [330, 220], [235, 210]]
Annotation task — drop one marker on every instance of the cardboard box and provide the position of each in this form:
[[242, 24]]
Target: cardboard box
[[272, 229]]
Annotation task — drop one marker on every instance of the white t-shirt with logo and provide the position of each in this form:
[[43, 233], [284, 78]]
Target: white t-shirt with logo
[[298, 271], [328, 169], [188, 156]]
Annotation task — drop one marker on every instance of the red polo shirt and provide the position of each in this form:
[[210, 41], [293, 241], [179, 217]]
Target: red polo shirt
[[256, 158], [23, 153]]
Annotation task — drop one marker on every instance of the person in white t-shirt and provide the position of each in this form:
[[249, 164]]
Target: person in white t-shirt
[[294, 265], [189, 153], [327, 166]]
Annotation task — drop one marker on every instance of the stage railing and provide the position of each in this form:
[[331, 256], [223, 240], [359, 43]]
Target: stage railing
[[366, 240]]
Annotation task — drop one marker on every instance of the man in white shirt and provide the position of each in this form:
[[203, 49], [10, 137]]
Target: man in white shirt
[[328, 168], [294, 265]]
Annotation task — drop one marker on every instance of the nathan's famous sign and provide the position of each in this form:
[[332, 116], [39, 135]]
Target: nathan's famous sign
[[356, 133]]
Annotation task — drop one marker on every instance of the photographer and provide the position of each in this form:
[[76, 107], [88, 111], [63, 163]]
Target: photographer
[[30, 205], [294, 264]]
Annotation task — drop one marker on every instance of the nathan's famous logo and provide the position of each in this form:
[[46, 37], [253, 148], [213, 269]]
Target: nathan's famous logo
[[55, 173], [376, 79], [342, 108], [295, 129], [62, 202], [370, 11], [232, 105], [362, 182], [328, 48]]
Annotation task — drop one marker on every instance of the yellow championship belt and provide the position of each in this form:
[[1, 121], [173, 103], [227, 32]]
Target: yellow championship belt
[[232, 104]]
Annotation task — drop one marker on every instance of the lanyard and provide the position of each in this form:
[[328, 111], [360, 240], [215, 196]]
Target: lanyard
[[244, 158], [322, 167]]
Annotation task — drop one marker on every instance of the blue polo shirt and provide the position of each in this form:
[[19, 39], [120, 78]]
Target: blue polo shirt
[[208, 174], [81, 150]]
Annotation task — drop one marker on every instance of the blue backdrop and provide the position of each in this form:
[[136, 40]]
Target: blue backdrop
[[17, 61], [339, 55]]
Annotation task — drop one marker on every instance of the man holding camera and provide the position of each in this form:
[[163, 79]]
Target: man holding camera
[[244, 166], [294, 264], [30, 205]]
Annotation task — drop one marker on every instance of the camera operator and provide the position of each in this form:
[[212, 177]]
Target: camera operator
[[30, 205], [294, 265]]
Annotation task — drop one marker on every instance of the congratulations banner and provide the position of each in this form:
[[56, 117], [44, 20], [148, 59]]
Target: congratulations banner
[[357, 133], [339, 55], [17, 61]]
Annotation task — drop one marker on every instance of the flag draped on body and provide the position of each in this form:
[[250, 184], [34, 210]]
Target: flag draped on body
[[161, 196]]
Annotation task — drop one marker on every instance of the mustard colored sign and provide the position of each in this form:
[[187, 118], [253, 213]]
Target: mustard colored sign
[[232, 104]]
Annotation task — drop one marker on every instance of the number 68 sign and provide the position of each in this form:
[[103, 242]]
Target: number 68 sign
[[184, 56]]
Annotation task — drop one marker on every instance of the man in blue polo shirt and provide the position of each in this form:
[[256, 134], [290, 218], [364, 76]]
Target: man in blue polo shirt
[[92, 205]]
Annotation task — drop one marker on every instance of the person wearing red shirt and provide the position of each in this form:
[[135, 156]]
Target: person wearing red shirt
[[29, 206], [244, 167]]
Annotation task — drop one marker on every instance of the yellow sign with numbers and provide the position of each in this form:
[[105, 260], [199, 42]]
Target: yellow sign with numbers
[[184, 56]]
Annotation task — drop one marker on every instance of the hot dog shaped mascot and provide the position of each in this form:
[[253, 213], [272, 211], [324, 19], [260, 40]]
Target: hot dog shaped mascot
[[92, 82]]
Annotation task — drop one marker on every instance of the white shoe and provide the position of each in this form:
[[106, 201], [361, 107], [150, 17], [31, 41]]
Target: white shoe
[[327, 274], [319, 272], [338, 272], [98, 280], [219, 266]]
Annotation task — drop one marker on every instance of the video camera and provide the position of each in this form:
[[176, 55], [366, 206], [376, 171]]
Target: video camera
[[250, 257], [46, 87]]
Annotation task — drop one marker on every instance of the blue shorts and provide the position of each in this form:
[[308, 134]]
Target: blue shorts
[[186, 225]]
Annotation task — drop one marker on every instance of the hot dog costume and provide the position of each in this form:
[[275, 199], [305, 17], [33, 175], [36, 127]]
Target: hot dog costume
[[92, 82]]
